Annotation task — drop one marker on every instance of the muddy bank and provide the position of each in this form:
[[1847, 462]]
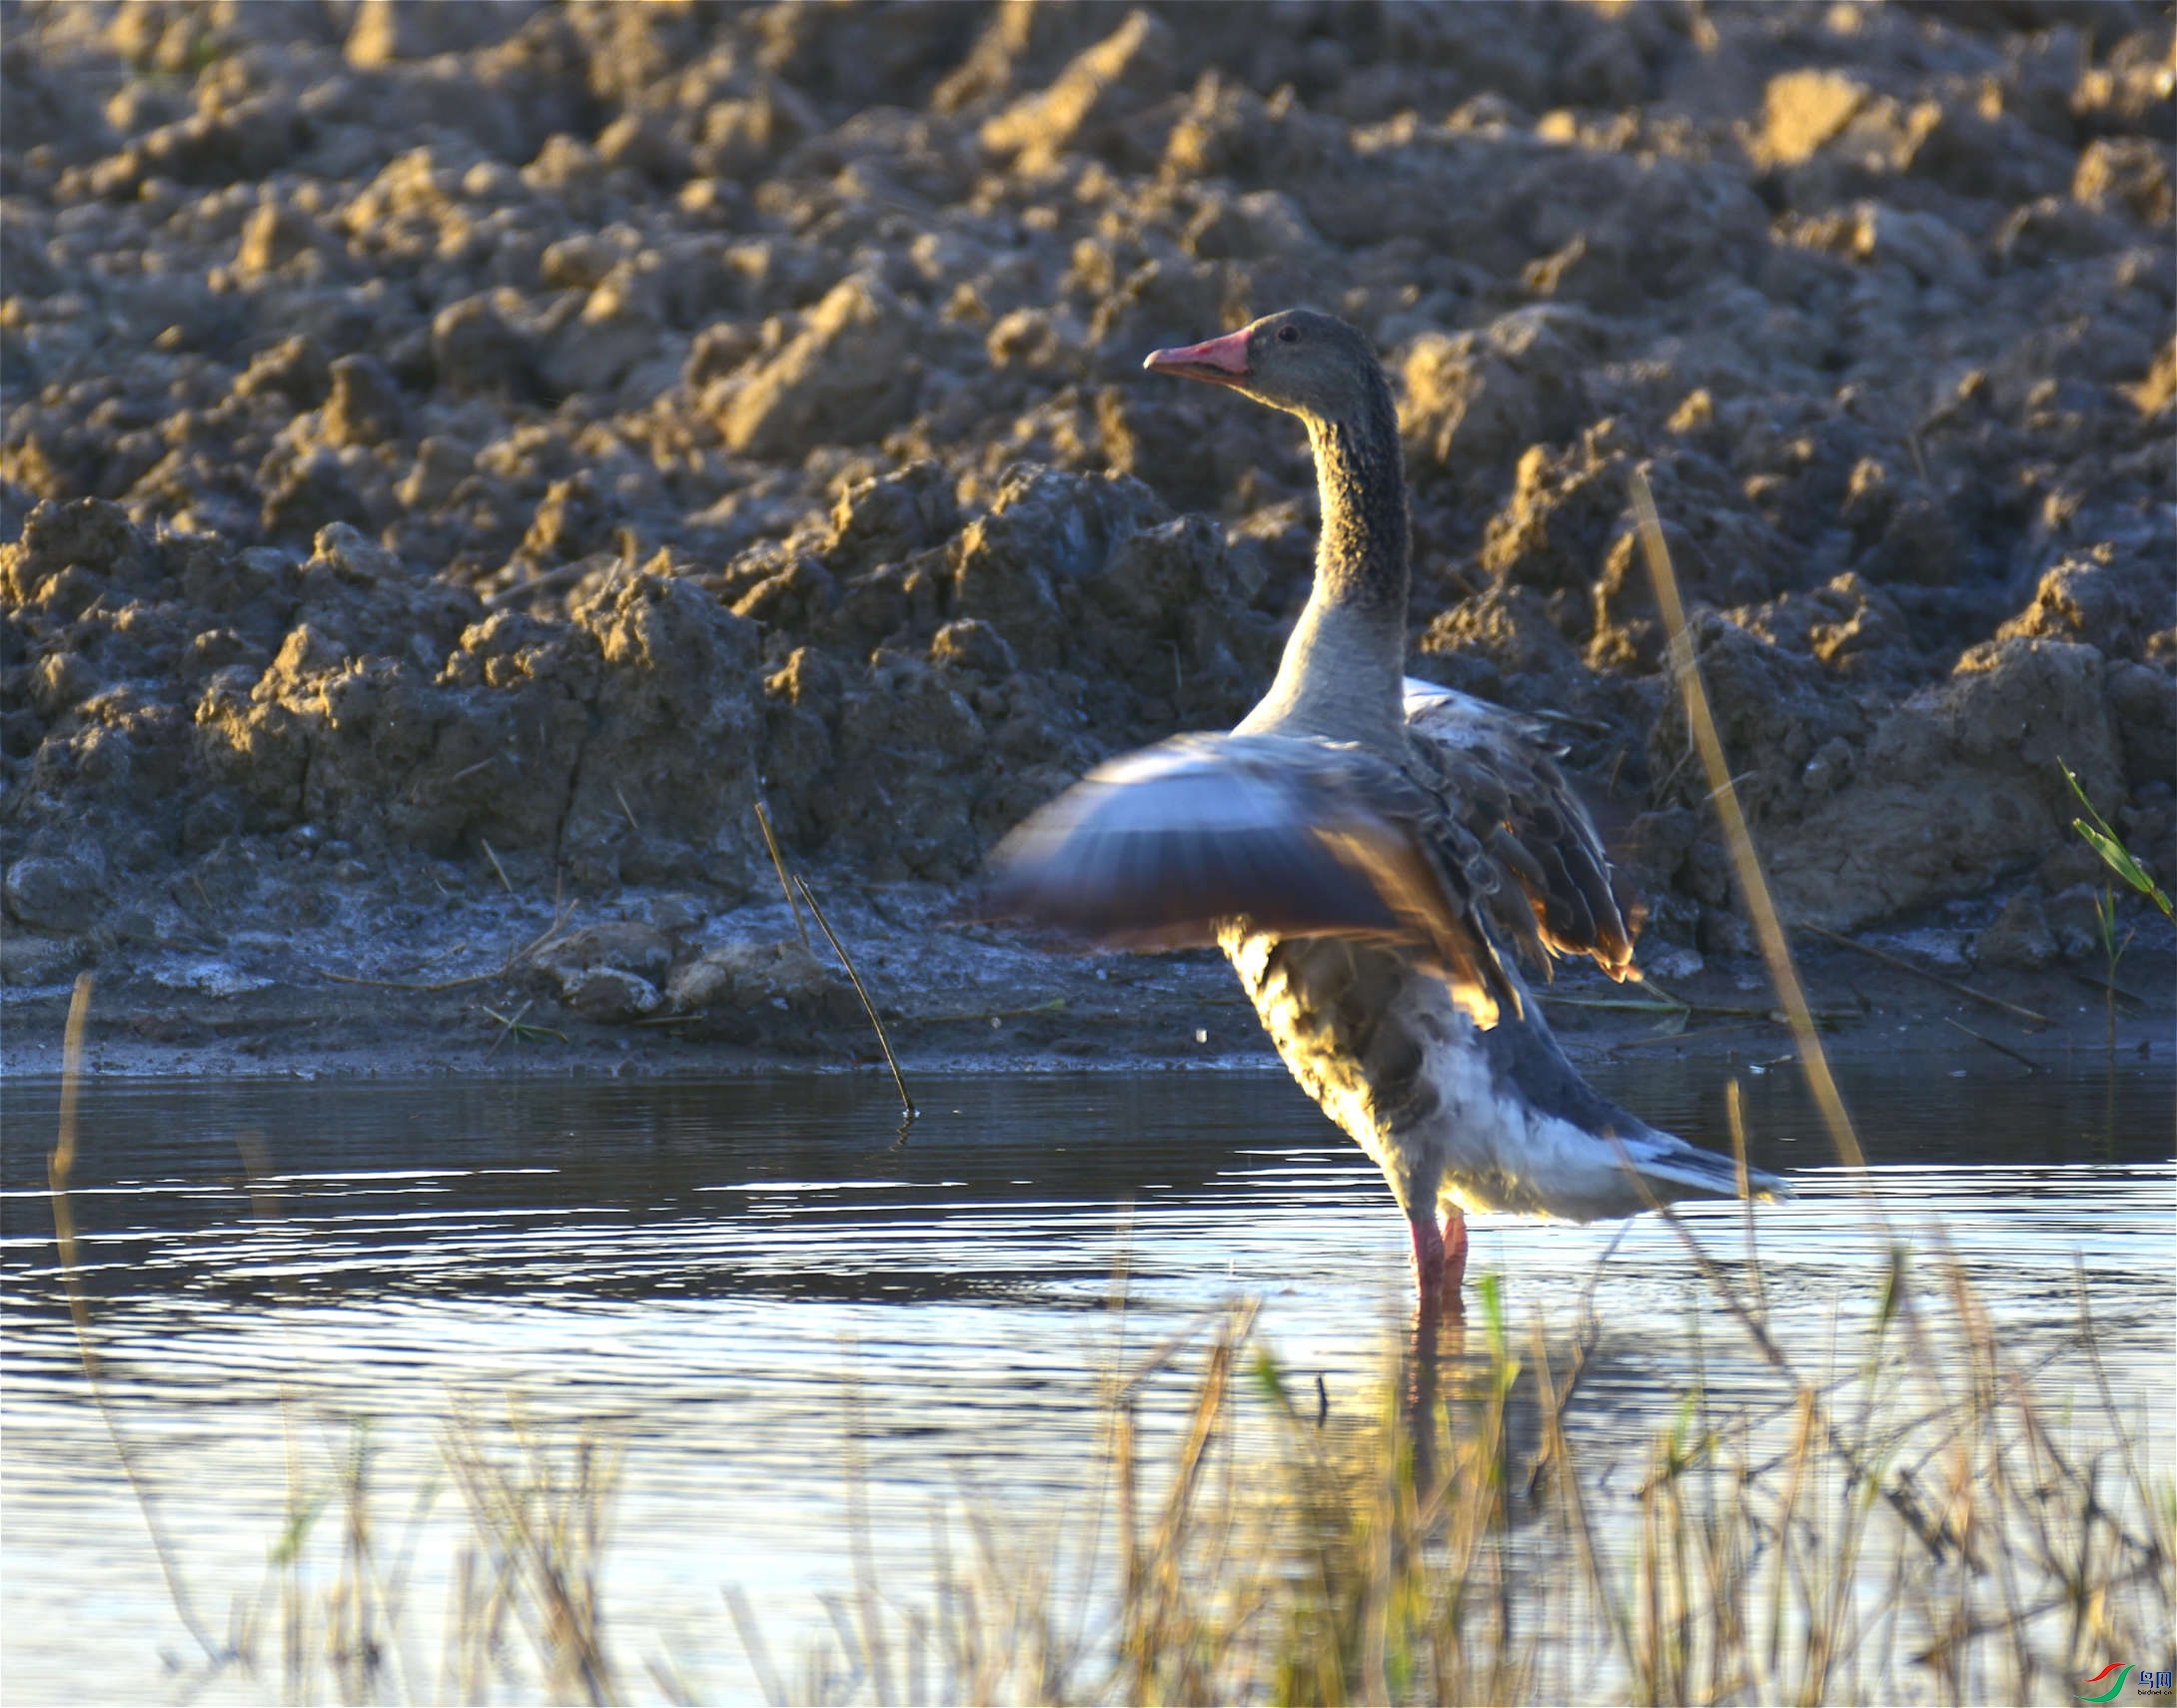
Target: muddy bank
[[647, 983], [455, 462]]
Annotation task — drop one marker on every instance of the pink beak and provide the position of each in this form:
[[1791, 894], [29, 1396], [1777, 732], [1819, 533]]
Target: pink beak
[[1222, 361]]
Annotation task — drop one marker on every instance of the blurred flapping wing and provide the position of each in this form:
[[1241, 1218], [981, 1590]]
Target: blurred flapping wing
[[1298, 836]]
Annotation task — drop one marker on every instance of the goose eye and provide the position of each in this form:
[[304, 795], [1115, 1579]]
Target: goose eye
[[1288, 335]]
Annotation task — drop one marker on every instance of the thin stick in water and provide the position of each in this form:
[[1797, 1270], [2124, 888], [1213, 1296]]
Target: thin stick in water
[[870, 1008], [1904, 965], [62, 1163], [778, 865], [405, 984], [1690, 1037], [1735, 1105], [59, 1165], [1995, 1044]]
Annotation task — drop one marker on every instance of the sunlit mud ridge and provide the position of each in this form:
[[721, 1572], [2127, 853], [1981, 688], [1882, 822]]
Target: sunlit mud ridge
[[458, 460]]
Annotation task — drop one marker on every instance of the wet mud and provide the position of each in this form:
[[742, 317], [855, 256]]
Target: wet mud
[[457, 462]]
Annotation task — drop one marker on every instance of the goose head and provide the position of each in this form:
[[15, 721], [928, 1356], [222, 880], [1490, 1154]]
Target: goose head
[[1301, 361]]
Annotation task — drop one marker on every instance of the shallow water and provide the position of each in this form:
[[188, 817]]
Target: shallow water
[[703, 1271]]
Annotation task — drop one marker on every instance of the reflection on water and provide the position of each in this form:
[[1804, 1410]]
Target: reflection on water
[[695, 1265]]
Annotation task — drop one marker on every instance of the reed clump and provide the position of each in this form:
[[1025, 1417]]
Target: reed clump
[[1934, 1520], [337, 1615], [1935, 1517]]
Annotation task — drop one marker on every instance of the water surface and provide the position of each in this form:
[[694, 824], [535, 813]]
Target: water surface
[[704, 1271]]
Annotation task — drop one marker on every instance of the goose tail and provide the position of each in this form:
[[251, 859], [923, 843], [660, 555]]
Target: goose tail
[[1671, 1167]]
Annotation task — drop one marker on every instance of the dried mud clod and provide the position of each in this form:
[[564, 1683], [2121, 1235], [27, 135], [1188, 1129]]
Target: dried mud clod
[[503, 443]]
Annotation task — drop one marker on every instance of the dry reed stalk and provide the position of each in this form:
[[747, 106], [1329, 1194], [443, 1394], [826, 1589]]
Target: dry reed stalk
[[561, 912], [1783, 972], [352, 1634], [1349, 1579], [1745, 864], [1572, 1501], [361, 1615], [751, 1632]]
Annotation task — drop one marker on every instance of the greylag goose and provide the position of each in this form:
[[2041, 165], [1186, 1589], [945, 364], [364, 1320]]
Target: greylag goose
[[1369, 851]]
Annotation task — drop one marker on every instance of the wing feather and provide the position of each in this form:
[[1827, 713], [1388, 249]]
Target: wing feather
[[1496, 778], [1300, 836]]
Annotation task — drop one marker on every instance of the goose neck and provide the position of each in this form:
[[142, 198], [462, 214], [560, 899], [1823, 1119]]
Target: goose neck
[[1361, 560], [1341, 677]]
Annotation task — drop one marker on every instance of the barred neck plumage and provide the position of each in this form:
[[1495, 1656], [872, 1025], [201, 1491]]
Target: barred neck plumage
[[1362, 557]]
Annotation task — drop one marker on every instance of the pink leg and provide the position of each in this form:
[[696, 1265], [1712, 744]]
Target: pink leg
[[1440, 1262], [1455, 1257], [1429, 1258]]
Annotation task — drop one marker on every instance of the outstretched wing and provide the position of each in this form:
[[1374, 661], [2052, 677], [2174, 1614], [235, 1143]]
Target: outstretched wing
[[1497, 779], [1300, 836]]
